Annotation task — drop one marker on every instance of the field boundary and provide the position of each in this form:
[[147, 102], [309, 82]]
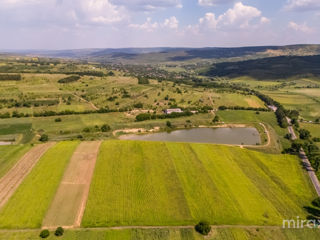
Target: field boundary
[[15, 176], [141, 227]]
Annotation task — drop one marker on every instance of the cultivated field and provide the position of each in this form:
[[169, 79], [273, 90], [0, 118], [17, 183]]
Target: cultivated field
[[144, 183], [9, 155], [69, 202], [28, 205], [14, 177]]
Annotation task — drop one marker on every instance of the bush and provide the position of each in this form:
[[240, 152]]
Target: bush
[[169, 125], [203, 228], [69, 79], [44, 233], [44, 138], [58, 120], [59, 231], [105, 128]]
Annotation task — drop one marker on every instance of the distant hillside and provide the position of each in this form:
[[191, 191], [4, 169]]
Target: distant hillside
[[268, 68], [157, 55]]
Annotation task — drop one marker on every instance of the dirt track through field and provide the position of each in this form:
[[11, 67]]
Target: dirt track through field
[[11, 181], [70, 200]]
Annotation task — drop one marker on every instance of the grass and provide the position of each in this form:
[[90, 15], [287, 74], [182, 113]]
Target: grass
[[27, 207], [9, 155], [174, 234], [277, 133], [179, 183]]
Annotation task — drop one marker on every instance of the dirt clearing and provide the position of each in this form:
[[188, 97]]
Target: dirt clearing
[[69, 202], [11, 181]]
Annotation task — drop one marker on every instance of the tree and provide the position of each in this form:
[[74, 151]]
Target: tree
[[44, 138], [143, 80], [304, 134], [216, 119], [105, 128], [203, 228], [59, 231], [44, 233]]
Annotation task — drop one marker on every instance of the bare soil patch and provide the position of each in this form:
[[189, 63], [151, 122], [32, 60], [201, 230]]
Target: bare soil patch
[[70, 200], [11, 181]]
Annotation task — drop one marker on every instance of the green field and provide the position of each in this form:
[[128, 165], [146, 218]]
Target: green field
[[278, 142], [9, 155], [174, 234], [144, 183], [27, 207]]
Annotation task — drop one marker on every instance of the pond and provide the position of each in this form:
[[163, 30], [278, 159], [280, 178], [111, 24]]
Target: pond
[[225, 135]]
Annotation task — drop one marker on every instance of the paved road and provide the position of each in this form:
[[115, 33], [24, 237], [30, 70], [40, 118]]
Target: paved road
[[311, 173]]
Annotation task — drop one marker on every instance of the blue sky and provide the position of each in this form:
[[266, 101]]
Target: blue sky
[[66, 24]]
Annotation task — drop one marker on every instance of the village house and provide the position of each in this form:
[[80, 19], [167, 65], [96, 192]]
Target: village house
[[173, 110]]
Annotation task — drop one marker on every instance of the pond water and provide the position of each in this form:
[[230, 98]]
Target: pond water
[[234, 136]]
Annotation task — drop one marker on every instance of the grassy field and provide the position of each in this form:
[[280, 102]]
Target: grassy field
[[177, 184], [28, 205], [277, 133], [175, 234], [313, 128], [43, 92], [9, 155]]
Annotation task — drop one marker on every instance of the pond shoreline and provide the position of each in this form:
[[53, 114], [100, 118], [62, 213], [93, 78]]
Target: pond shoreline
[[229, 134]]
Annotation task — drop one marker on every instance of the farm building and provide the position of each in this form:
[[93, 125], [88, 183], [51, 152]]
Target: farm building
[[173, 110]]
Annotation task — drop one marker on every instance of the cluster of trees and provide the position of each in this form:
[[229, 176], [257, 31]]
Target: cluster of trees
[[143, 80], [69, 79], [10, 77], [243, 108], [103, 128], [148, 116]]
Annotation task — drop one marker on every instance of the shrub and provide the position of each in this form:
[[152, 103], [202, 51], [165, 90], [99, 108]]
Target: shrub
[[59, 231], [203, 228], [44, 233], [44, 138], [58, 120], [105, 128], [69, 79], [169, 125]]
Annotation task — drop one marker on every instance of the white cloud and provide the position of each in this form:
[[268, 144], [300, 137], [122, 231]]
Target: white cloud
[[209, 21], [102, 11], [302, 5], [149, 26], [63, 12], [147, 5], [213, 2], [240, 16], [300, 27], [171, 23], [264, 20]]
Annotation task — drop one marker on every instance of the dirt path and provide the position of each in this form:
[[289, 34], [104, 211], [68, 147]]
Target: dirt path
[[84, 100], [70, 200], [11, 181]]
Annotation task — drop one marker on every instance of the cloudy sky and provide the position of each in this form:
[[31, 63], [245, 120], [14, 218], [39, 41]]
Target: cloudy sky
[[65, 24]]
